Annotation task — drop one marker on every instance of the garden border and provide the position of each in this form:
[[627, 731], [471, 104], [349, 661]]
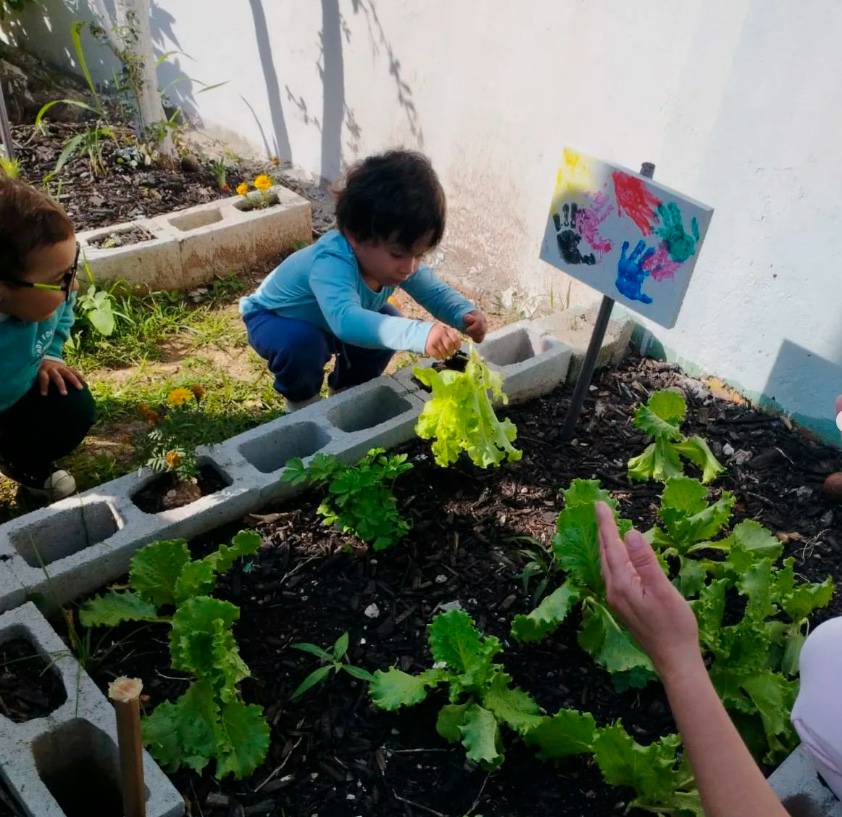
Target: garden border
[[193, 246], [26, 752]]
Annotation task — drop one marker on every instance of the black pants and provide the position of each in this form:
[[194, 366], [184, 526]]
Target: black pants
[[37, 430]]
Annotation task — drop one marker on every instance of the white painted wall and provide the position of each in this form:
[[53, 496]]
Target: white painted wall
[[737, 102]]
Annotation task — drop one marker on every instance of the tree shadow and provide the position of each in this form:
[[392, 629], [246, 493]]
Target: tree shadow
[[283, 149]]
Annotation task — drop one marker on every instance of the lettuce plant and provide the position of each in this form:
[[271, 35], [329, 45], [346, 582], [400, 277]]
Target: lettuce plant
[[359, 497], [210, 720], [576, 547], [661, 418], [481, 697], [459, 416]]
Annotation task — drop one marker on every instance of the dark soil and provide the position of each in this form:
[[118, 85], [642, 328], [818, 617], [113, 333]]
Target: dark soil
[[122, 192], [150, 498], [29, 687], [332, 753], [121, 238]]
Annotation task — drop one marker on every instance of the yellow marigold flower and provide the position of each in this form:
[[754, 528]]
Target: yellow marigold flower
[[243, 188], [172, 459], [263, 182], [198, 391], [179, 396]]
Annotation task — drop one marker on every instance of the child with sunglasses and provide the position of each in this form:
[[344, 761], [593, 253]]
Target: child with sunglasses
[[45, 407]]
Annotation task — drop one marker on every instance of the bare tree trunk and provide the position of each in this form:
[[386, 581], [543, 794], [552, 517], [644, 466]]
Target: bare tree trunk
[[132, 17]]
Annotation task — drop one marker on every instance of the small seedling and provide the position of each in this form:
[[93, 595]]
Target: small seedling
[[332, 662]]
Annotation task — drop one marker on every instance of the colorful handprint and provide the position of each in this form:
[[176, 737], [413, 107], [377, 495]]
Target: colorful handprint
[[631, 271], [567, 237], [635, 200], [680, 244], [660, 266], [589, 220]]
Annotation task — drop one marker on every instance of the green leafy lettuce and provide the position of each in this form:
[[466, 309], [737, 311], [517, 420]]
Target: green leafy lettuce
[[459, 416], [210, 721], [481, 697], [661, 418], [576, 547]]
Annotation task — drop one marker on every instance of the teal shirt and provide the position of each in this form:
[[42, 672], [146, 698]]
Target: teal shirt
[[322, 284], [24, 344]]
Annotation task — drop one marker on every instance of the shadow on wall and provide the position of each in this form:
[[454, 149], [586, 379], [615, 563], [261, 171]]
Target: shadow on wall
[[282, 148], [804, 385]]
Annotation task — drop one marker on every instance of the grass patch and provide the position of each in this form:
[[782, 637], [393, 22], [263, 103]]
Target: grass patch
[[162, 341]]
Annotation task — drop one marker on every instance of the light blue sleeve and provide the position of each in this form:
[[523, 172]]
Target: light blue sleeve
[[442, 301], [333, 280]]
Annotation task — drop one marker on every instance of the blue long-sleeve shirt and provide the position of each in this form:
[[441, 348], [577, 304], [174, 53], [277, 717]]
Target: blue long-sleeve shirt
[[323, 284], [24, 344]]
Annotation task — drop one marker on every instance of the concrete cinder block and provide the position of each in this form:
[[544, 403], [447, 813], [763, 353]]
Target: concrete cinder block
[[77, 545], [377, 414], [195, 245], [12, 592], [72, 751], [221, 236], [531, 361], [798, 785], [574, 327], [148, 265]]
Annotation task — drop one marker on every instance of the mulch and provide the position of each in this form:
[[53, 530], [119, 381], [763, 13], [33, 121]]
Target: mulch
[[122, 192], [332, 754]]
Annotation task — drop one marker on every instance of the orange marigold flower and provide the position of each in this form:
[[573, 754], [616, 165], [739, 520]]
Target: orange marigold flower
[[198, 390], [149, 414], [263, 182], [172, 459], [243, 188], [179, 396]]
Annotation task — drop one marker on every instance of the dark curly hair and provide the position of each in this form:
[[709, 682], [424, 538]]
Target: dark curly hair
[[28, 219], [392, 196]]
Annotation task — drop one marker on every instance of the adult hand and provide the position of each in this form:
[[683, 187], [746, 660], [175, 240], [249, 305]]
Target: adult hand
[[60, 374], [442, 342], [637, 589], [476, 325]]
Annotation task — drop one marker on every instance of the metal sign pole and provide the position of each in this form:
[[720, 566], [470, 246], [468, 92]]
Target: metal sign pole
[[5, 128], [647, 169]]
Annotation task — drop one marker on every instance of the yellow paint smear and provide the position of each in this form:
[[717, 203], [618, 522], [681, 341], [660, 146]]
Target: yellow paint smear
[[574, 175]]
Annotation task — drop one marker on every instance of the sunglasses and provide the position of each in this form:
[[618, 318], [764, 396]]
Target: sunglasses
[[67, 279]]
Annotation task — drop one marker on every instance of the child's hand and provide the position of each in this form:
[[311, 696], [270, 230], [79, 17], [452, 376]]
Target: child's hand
[[476, 325], [442, 342], [59, 373]]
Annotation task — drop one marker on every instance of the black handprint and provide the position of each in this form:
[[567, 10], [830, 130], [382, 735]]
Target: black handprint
[[568, 236]]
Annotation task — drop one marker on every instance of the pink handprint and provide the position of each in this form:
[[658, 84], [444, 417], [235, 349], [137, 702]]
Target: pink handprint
[[661, 266], [589, 219]]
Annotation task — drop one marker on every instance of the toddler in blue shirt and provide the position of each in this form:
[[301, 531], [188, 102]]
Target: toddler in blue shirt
[[45, 407], [332, 298]]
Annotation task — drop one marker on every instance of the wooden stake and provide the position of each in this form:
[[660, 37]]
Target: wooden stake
[[125, 695]]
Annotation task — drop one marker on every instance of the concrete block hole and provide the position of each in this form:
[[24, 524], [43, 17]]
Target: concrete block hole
[[270, 452], [148, 496], [370, 409], [256, 201], [80, 766], [513, 347], [30, 686], [192, 221], [65, 532]]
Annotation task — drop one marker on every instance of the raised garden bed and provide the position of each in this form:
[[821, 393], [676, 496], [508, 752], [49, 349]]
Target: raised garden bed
[[331, 752]]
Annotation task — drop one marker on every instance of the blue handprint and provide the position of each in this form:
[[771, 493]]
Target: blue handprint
[[630, 271]]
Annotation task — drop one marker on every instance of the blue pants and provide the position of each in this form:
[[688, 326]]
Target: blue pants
[[297, 352]]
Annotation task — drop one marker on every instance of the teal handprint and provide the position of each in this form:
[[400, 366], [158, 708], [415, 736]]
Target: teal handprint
[[680, 244]]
